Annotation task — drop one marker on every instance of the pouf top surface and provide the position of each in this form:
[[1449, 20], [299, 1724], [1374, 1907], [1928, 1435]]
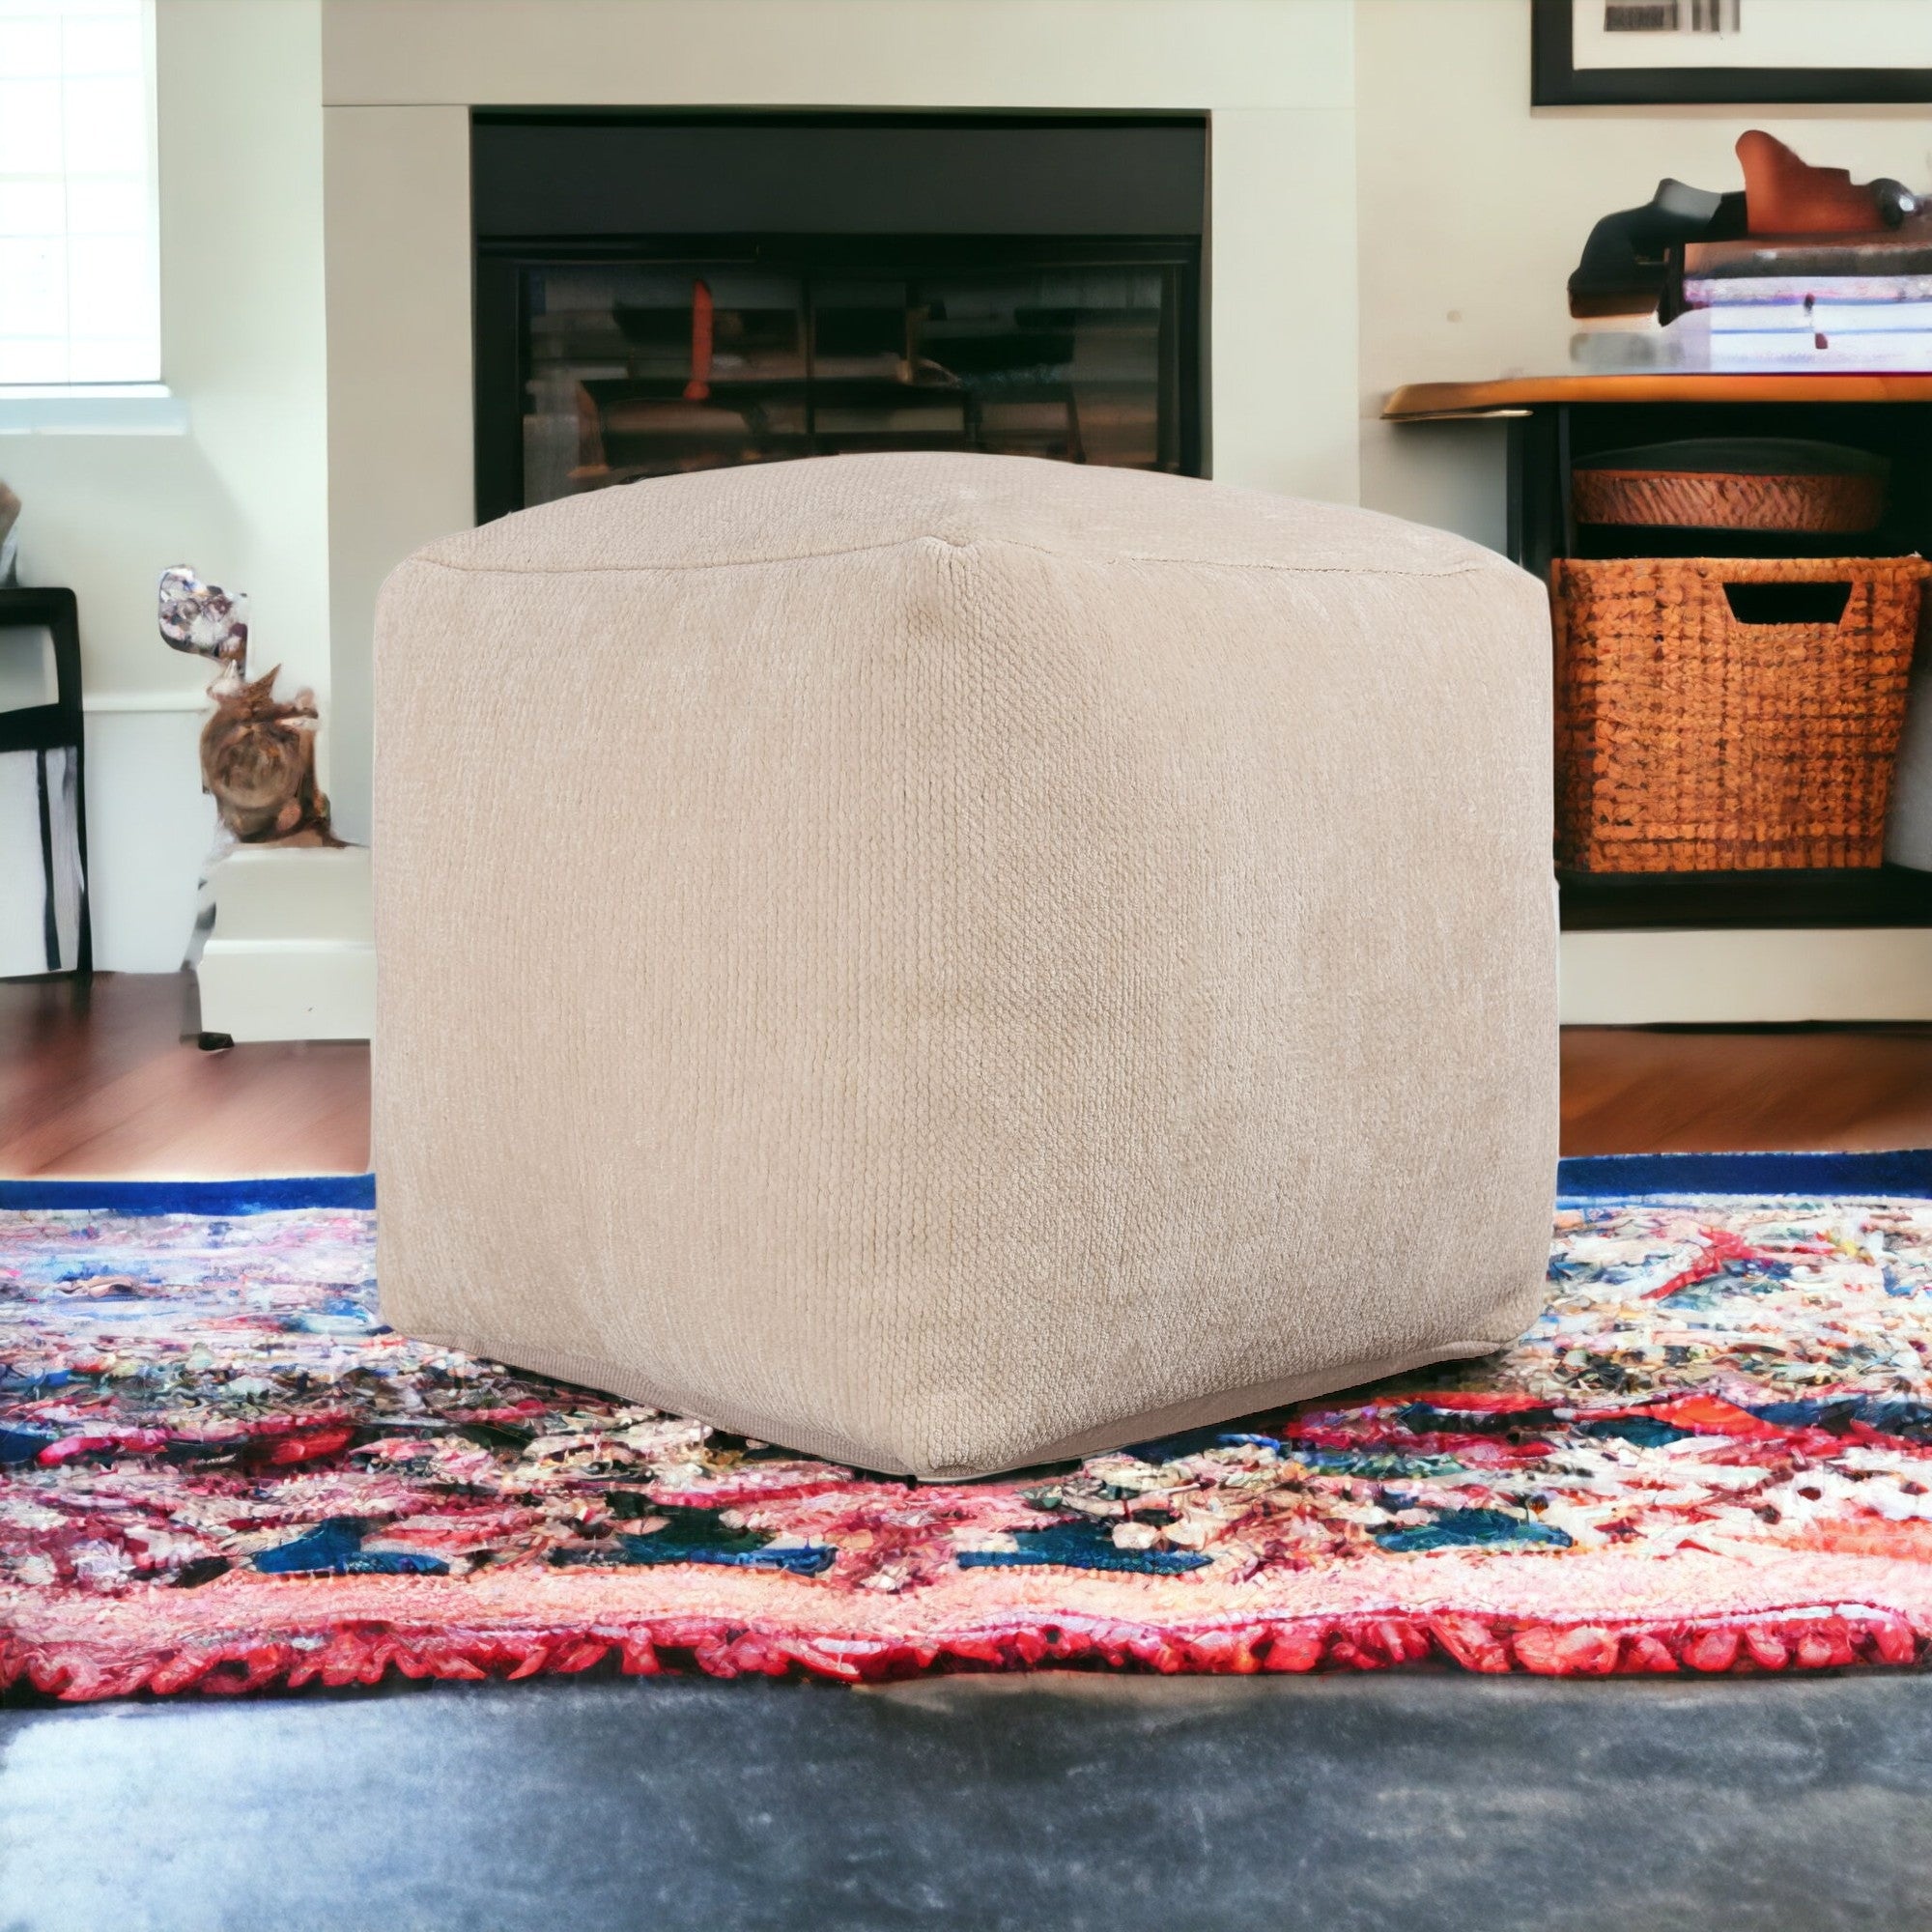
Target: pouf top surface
[[827, 505]]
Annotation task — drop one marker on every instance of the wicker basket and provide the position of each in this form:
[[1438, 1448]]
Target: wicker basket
[[1691, 499], [1691, 741]]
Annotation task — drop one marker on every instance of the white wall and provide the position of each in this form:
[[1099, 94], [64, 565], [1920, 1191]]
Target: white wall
[[399, 383], [1277, 76], [241, 495], [1474, 208]]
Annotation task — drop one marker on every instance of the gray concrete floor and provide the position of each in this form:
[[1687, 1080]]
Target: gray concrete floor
[[1428, 1803]]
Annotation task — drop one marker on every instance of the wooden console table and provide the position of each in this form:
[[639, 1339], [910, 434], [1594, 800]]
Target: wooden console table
[[1425, 402], [1554, 419]]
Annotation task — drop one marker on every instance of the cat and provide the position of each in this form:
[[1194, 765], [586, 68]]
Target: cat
[[258, 761]]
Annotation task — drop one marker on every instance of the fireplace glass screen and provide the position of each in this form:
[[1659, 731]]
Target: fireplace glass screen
[[663, 293], [651, 367]]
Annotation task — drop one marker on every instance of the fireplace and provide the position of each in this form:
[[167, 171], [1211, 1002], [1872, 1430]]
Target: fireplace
[[660, 293]]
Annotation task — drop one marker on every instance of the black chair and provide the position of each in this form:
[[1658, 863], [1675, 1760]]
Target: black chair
[[58, 727]]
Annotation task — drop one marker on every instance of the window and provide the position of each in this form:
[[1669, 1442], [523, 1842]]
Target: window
[[79, 282]]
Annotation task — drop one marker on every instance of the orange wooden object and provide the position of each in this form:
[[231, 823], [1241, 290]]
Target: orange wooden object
[[1784, 195], [698, 388], [1417, 402]]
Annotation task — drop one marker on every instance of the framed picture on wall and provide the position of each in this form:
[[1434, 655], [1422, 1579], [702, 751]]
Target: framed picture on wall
[[1589, 54]]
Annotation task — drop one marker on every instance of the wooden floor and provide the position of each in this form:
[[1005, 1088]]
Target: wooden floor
[[97, 1079], [105, 1080], [1633, 1090]]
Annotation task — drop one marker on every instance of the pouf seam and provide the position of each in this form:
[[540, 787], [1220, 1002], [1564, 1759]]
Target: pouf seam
[[1500, 565]]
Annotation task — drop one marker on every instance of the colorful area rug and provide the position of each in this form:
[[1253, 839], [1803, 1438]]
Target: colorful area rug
[[1713, 1453]]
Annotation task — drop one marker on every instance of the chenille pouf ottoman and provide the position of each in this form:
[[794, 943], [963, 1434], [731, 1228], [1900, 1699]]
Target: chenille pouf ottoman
[[947, 963]]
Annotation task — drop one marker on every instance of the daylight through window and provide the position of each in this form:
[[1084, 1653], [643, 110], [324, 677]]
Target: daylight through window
[[80, 293]]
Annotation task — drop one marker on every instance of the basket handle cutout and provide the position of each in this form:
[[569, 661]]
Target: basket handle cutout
[[1787, 603]]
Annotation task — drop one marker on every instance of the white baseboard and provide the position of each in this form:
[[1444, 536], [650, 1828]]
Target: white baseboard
[[293, 953], [288, 990], [1734, 978]]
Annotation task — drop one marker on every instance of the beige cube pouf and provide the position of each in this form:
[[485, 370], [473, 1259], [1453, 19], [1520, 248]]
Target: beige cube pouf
[[947, 962]]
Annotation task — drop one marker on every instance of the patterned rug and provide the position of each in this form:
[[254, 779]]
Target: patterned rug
[[1713, 1453]]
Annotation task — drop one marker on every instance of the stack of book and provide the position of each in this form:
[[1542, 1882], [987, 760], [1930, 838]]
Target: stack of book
[[1822, 303], [1860, 302]]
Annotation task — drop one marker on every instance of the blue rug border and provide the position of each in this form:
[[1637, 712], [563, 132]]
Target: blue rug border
[[192, 1197], [1595, 1178], [1584, 1180]]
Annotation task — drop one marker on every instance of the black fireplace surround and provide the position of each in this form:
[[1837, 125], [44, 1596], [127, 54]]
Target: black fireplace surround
[[664, 293]]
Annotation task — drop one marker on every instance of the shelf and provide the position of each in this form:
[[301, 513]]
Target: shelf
[[1559, 419], [1889, 895], [1419, 402]]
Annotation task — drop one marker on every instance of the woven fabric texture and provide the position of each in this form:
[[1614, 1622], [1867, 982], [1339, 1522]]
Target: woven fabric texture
[[1690, 740], [945, 962]]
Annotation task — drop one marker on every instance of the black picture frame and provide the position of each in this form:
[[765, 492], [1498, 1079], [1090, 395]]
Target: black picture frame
[[1556, 81]]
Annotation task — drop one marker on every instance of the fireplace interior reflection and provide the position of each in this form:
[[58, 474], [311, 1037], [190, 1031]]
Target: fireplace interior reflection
[[635, 368]]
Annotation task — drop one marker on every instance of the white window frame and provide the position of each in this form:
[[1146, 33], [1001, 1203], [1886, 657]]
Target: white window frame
[[135, 400]]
